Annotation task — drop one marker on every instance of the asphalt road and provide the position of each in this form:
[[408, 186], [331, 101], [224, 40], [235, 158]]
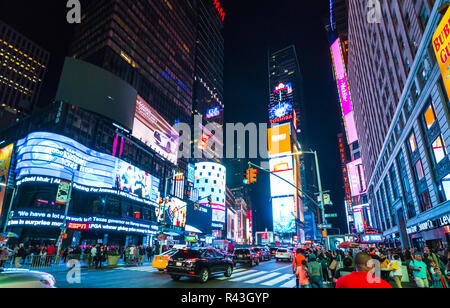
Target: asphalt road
[[269, 274]]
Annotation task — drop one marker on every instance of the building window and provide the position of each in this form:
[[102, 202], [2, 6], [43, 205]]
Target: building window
[[412, 143], [439, 150], [424, 201], [393, 179], [444, 189], [430, 116], [419, 170]]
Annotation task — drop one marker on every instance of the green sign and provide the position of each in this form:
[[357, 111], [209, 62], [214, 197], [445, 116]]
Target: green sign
[[334, 215], [191, 239]]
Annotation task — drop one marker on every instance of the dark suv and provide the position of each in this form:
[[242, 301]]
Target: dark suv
[[245, 256], [200, 263]]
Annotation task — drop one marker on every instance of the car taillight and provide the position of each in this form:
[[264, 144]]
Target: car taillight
[[249, 255]]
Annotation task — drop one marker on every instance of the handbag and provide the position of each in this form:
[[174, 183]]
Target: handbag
[[333, 265]]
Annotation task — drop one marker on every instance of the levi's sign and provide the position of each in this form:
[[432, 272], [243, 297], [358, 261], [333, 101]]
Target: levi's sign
[[441, 46]]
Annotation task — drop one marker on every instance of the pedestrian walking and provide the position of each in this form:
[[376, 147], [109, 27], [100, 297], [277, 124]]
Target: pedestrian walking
[[315, 271], [396, 270], [420, 271], [302, 274]]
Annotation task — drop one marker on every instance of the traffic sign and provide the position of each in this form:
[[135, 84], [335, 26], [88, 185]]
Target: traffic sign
[[328, 226], [331, 215]]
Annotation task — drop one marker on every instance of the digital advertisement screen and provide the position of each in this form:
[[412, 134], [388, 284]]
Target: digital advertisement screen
[[283, 215], [281, 112], [213, 112], [176, 213], [50, 155], [279, 140], [356, 177], [282, 167], [151, 128], [371, 238], [198, 219], [5, 163], [344, 91]]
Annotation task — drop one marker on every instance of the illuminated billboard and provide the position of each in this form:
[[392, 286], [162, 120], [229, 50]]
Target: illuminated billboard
[[356, 177], [213, 112], [175, 213], [283, 215], [361, 217], [281, 112], [371, 238], [279, 140], [344, 91], [282, 167], [5, 163], [150, 128], [43, 154], [441, 41], [210, 179]]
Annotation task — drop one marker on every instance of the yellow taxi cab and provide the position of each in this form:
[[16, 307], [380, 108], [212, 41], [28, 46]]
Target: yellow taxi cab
[[160, 262]]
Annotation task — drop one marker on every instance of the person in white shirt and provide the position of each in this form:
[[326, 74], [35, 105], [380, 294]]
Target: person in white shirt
[[397, 273]]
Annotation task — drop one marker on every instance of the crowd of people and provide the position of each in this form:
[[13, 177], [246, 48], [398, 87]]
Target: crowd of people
[[95, 256], [372, 268]]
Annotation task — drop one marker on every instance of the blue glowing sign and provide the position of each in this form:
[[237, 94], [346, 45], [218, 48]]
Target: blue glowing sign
[[213, 112], [52, 155], [281, 112], [283, 215]]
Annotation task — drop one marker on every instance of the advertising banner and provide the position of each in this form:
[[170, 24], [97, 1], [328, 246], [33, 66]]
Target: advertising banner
[[63, 192], [198, 219], [282, 167], [153, 130], [283, 215], [279, 140], [5, 163], [281, 112], [45, 154], [441, 41], [176, 213], [356, 177], [344, 91]]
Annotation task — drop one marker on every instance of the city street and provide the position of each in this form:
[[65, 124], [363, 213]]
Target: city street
[[270, 274]]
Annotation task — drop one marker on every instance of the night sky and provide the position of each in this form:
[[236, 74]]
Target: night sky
[[252, 30]]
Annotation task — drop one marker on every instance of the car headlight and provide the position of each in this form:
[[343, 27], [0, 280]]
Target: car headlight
[[48, 280]]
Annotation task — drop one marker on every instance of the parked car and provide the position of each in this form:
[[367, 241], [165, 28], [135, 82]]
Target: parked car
[[22, 278], [199, 263], [245, 256], [264, 254], [284, 254]]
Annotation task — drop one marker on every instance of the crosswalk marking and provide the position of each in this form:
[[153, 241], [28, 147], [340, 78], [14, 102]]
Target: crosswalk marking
[[237, 270], [290, 284], [277, 280], [138, 269], [242, 273], [248, 276], [266, 277]]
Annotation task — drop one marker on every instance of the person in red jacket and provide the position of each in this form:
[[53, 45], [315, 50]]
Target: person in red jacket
[[298, 260], [362, 278]]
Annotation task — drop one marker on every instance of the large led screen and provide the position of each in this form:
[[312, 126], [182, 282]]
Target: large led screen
[[154, 131], [5, 162], [198, 219], [279, 140], [283, 215], [281, 112], [52, 155], [175, 213], [344, 91], [356, 177], [282, 167]]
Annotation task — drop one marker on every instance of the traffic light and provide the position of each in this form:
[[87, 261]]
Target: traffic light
[[210, 201], [324, 233], [247, 177], [253, 176]]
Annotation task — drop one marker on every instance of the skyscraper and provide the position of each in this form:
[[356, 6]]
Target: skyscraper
[[22, 69], [401, 114], [149, 44]]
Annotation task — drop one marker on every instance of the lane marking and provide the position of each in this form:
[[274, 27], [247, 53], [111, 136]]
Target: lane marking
[[278, 280], [242, 273]]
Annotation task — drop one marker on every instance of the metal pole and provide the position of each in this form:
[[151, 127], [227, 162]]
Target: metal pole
[[322, 201], [162, 222], [9, 208]]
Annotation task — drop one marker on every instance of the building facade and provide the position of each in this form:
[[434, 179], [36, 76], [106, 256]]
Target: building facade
[[149, 44], [22, 69], [402, 118]]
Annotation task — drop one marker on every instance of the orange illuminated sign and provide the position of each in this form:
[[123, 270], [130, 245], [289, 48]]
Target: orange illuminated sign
[[441, 46], [279, 139]]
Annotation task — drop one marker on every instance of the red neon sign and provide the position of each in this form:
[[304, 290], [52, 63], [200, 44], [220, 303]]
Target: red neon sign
[[78, 226], [219, 9]]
